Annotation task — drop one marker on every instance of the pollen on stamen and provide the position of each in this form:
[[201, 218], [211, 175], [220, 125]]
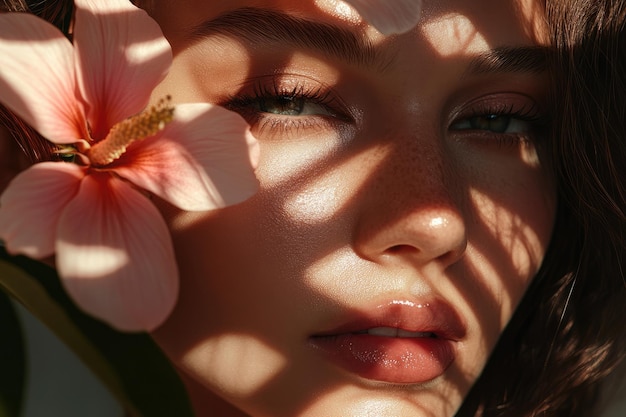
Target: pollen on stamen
[[143, 125]]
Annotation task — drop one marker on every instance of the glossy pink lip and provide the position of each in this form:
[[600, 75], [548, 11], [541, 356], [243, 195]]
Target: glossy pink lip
[[399, 360]]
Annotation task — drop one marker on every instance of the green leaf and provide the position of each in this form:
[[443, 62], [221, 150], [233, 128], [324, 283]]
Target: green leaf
[[12, 361], [131, 366]]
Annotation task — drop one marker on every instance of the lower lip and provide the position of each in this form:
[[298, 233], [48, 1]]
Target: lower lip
[[388, 359]]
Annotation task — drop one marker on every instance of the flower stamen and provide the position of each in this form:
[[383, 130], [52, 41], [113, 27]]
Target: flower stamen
[[121, 135]]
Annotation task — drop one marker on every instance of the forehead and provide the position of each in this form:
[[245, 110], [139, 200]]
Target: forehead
[[492, 22]]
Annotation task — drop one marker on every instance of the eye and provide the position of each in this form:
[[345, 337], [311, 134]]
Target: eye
[[495, 123], [290, 108], [502, 118], [275, 100], [292, 105]]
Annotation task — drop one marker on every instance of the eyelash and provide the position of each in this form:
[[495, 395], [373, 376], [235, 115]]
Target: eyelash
[[530, 114], [250, 107]]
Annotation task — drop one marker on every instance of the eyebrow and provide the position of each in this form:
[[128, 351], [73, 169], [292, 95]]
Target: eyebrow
[[521, 59], [267, 27]]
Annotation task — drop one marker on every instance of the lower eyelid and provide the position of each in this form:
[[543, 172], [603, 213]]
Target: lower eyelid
[[491, 140], [273, 127]]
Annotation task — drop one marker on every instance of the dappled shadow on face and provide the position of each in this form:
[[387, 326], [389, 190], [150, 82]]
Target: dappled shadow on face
[[339, 231]]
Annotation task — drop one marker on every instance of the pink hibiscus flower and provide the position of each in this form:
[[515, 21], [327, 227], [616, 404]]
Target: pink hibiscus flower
[[112, 248], [389, 16]]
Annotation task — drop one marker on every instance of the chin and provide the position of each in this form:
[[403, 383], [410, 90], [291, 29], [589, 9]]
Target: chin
[[378, 400]]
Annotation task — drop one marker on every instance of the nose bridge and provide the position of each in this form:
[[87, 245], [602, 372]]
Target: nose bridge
[[419, 183], [414, 204]]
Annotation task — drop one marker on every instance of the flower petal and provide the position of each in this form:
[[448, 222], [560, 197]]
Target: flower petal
[[389, 16], [203, 159], [115, 255], [32, 204], [121, 56], [37, 78]]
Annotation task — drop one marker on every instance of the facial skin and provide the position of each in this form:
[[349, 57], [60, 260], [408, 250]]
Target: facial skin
[[405, 174]]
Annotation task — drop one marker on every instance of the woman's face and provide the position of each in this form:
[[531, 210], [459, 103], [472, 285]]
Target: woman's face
[[403, 205]]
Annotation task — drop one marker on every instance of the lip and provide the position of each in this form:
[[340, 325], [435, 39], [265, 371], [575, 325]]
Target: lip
[[420, 358]]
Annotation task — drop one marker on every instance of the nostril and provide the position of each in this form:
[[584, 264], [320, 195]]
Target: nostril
[[448, 257], [402, 249]]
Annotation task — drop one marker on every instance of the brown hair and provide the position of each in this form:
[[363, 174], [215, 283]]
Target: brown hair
[[566, 335]]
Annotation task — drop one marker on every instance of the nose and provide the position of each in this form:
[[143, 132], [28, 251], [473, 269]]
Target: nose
[[411, 209]]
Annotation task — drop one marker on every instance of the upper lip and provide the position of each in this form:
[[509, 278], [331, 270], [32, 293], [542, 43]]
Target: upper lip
[[427, 316]]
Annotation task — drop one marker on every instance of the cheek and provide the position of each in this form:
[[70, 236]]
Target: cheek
[[235, 365], [513, 217], [218, 332], [519, 224]]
